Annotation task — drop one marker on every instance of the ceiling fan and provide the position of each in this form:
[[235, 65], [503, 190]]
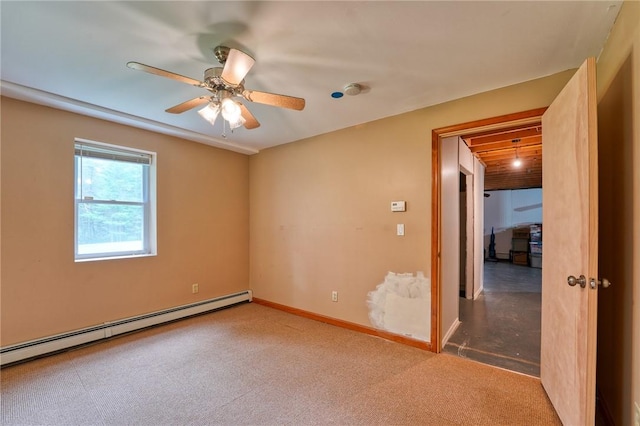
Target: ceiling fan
[[225, 83]]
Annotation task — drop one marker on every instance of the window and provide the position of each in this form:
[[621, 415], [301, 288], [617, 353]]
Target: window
[[114, 201]]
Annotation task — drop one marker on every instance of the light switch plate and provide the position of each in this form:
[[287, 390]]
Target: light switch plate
[[400, 229]]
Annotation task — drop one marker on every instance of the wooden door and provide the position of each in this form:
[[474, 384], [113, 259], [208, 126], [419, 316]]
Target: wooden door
[[570, 247]]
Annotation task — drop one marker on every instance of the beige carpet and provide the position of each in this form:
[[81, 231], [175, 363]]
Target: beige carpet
[[253, 365]]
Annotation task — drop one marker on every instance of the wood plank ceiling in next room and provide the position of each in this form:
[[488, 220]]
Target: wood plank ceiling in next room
[[498, 149]]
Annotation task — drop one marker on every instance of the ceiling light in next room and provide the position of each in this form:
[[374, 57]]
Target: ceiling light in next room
[[517, 162]]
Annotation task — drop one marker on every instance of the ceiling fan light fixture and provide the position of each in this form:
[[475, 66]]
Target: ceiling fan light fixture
[[236, 66], [230, 110], [238, 123], [210, 112]]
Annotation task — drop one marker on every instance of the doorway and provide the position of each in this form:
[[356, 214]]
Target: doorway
[[484, 139], [500, 325], [463, 235], [569, 311], [466, 224]]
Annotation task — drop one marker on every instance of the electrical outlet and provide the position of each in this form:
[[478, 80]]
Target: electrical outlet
[[194, 288], [637, 416], [334, 296]]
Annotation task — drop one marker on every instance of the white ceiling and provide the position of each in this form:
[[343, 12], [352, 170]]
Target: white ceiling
[[408, 55]]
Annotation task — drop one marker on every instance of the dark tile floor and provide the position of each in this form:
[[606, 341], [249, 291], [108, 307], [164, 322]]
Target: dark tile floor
[[502, 326]]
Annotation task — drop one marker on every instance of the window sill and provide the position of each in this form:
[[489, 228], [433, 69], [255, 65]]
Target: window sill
[[130, 256]]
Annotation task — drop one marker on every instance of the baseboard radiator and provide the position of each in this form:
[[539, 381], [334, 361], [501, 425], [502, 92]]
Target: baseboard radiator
[[62, 341]]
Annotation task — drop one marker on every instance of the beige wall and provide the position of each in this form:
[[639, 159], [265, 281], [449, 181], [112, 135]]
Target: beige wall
[[619, 167], [202, 212], [320, 208]]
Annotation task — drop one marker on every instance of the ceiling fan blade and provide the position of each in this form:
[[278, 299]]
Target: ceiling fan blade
[[236, 67], [162, 73], [250, 120], [275, 100], [185, 106]]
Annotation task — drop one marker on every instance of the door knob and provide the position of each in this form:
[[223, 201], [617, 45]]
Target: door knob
[[572, 281], [593, 283]]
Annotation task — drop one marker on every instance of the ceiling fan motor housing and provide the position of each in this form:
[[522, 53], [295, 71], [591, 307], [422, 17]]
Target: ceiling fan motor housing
[[212, 77]]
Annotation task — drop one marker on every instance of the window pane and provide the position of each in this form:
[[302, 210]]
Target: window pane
[[115, 201], [109, 180], [109, 228]]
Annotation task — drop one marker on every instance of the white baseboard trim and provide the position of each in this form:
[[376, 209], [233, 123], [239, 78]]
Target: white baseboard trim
[[475, 296], [33, 348], [450, 332]]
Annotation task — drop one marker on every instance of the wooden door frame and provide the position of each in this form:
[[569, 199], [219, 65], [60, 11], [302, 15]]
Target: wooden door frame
[[494, 123]]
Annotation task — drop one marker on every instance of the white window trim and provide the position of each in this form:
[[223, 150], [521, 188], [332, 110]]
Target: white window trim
[[150, 212]]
